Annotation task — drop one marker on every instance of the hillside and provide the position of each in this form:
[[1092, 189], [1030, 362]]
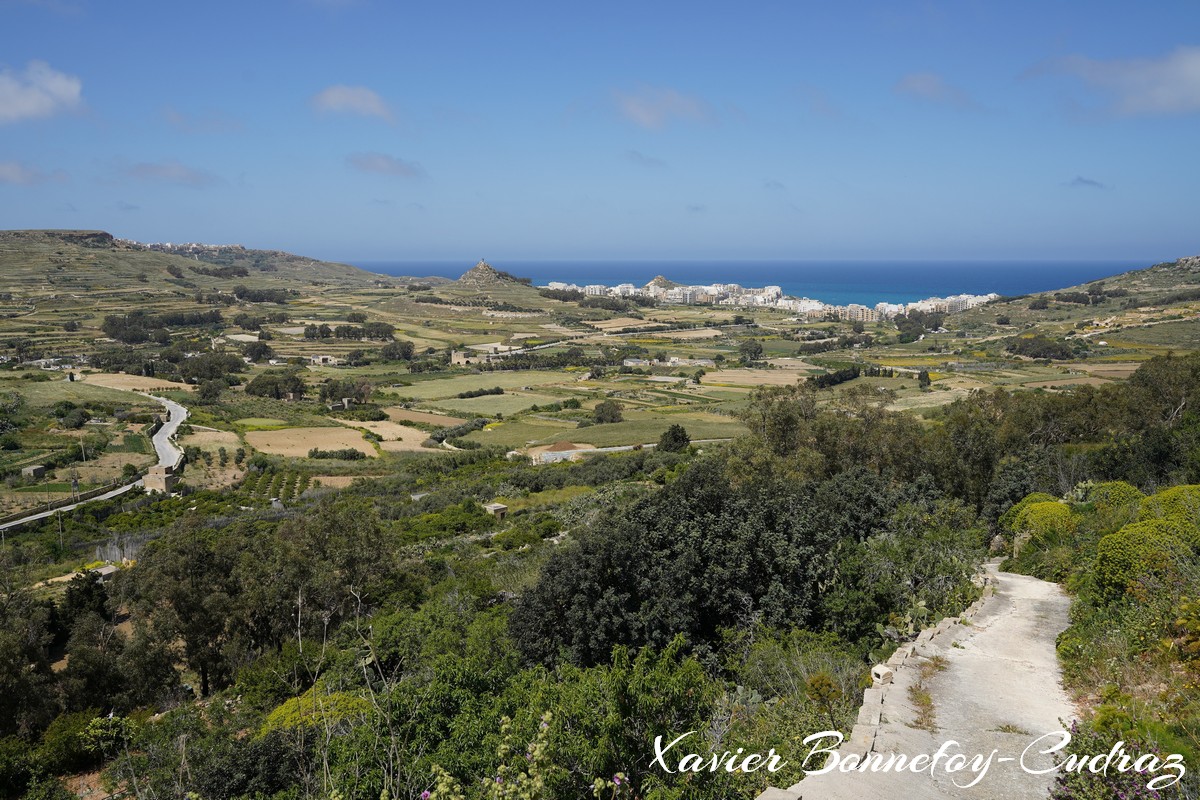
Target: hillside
[[49, 262], [483, 282], [1155, 306]]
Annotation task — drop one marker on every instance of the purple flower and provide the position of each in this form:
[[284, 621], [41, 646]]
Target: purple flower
[[617, 780], [425, 795]]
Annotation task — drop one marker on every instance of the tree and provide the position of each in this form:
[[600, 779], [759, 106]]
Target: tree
[[259, 351], [335, 389], [399, 350], [679, 561], [923, 379], [85, 595], [674, 439], [277, 384], [210, 392], [607, 411], [185, 587], [210, 366], [750, 350]]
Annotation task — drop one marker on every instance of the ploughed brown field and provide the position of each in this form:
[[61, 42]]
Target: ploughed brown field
[[296, 442], [408, 415], [134, 383]]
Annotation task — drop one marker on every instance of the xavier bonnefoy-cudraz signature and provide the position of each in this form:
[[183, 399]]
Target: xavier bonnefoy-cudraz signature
[[965, 769]]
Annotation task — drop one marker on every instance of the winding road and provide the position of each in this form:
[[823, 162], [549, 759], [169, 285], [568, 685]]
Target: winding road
[[169, 455]]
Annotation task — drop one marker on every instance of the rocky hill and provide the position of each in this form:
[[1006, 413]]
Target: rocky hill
[[661, 282], [484, 276]]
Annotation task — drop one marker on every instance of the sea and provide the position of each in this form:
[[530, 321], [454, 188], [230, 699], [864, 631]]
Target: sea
[[832, 282]]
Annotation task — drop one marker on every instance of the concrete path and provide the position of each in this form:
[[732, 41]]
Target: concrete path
[[165, 448], [169, 454], [993, 686]]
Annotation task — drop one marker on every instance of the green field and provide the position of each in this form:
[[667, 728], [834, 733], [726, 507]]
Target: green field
[[639, 427], [261, 423], [53, 488], [1181, 335], [490, 405], [508, 379], [47, 393]]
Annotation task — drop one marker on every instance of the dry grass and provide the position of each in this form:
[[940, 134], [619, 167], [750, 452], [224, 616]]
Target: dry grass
[[618, 324], [921, 699], [336, 481], [212, 440], [792, 363], [1080, 380], [296, 442], [411, 445], [133, 383], [1116, 371], [397, 438], [932, 666], [922, 703], [427, 417], [752, 377], [695, 333]]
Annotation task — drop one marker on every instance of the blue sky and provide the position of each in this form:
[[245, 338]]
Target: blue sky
[[373, 130]]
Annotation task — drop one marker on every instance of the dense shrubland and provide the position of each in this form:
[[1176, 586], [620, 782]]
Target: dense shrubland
[[1133, 647], [363, 640]]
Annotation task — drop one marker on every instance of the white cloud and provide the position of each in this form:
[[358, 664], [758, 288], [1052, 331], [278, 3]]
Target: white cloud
[[1167, 85], [18, 174], [653, 108], [37, 91], [931, 87], [383, 164], [359, 100], [171, 172]]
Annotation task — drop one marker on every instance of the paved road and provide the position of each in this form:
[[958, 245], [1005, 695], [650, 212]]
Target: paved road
[[168, 455], [999, 690]]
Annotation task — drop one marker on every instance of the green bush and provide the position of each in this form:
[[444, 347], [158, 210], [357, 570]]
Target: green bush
[[1114, 495], [1137, 551], [1008, 518], [1177, 507], [317, 708], [16, 766], [515, 537], [1178, 501], [62, 748], [1045, 518]]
